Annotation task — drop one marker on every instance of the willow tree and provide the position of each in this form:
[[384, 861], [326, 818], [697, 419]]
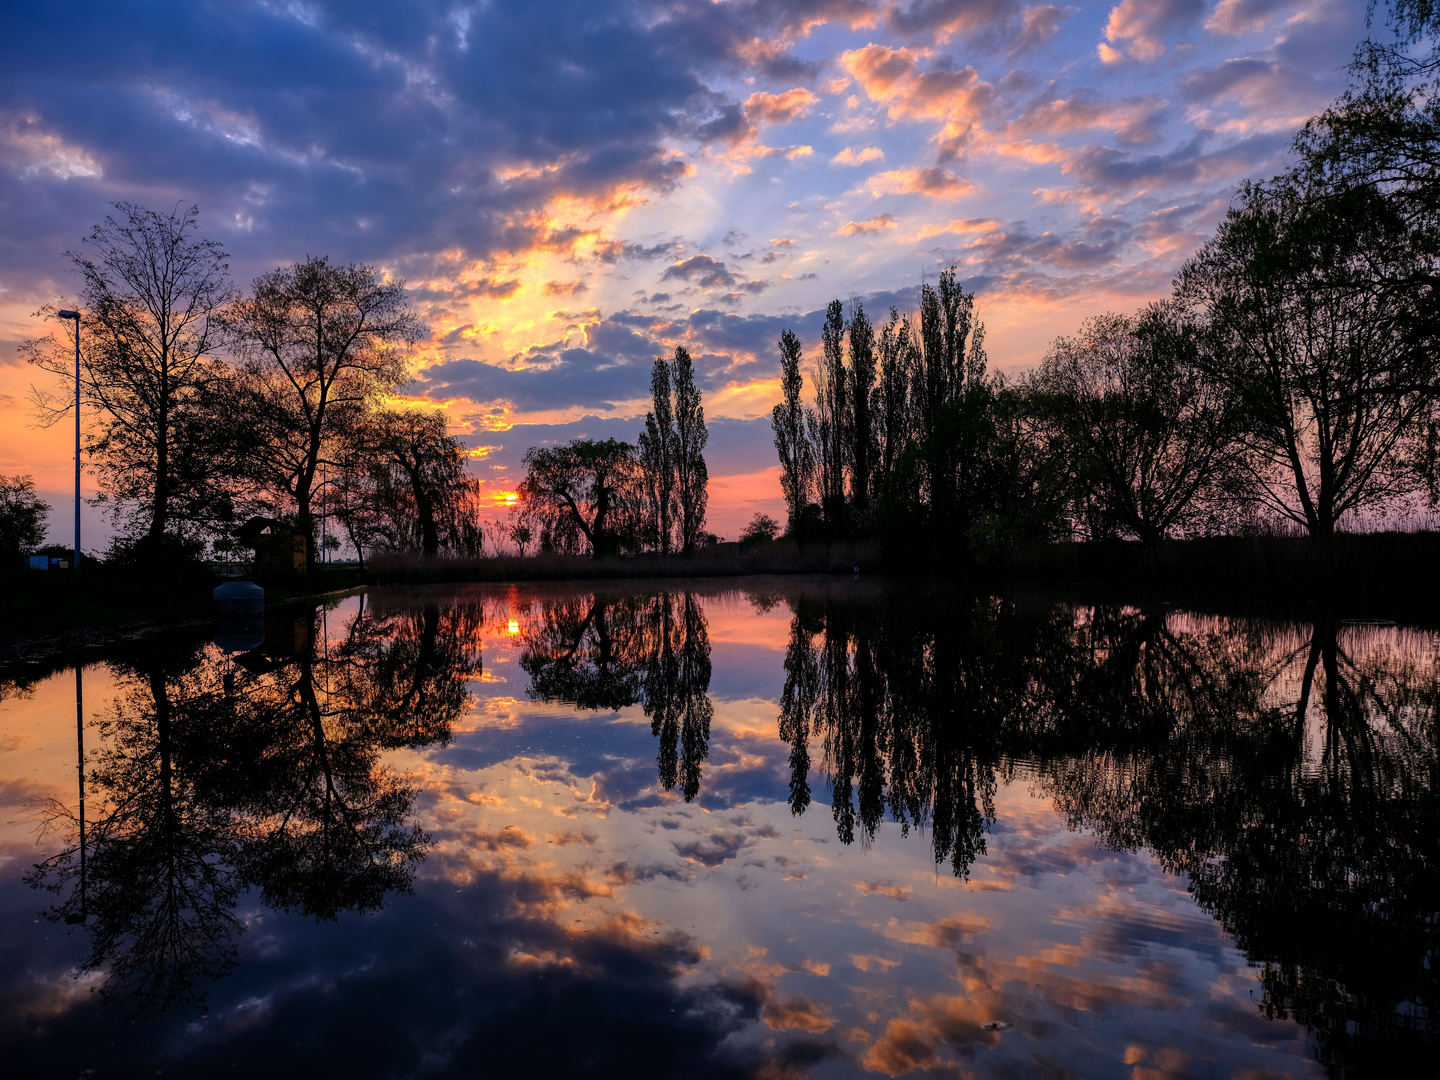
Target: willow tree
[[1149, 440], [433, 501], [585, 487]]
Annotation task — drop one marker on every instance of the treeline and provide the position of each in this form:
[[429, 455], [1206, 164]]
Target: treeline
[[206, 407], [609, 498], [1289, 382]]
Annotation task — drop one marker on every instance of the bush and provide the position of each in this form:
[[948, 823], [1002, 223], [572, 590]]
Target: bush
[[762, 529], [22, 517]]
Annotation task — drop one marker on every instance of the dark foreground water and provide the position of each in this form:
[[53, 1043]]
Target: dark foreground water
[[767, 830]]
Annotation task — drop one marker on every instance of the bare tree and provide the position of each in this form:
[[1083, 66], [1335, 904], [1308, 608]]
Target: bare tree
[[1147, 437], [1336, 372], [321, 343], [150, 291]]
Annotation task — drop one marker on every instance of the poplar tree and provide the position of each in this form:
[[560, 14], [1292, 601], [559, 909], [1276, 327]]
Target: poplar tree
[[788, 422], [892, 416], [862, 433], [657, 456], [829, 428], [691, 476]]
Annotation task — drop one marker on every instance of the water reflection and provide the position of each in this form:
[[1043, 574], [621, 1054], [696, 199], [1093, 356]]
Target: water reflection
[[1292, 777], [606, 652], [1284, 774], [212, 780]]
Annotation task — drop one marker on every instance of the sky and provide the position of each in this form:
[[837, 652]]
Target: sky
[[571, 189]]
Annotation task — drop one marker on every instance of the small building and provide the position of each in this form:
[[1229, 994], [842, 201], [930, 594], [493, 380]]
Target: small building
[[279, 547]]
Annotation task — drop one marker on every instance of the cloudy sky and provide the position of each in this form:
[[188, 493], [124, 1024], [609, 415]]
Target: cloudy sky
[[571, 189]]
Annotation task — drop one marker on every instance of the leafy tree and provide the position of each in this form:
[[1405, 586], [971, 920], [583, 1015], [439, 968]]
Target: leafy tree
[[788, 423], [1148, 438], [150, 293], [829, 422], [863, 391], [22, 517], [692, 478], [321, 343], [762, 529], [439, 507], [521, 534], [1335, 374], [659, 446], [586, 487]]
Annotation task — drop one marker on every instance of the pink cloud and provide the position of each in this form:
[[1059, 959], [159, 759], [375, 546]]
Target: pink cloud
[[875, 224]]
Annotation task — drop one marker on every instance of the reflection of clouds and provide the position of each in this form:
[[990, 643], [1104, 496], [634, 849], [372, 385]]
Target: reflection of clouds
[[730, 934]]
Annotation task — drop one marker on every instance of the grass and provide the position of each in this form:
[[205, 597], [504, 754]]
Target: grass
[[722, 560], [1384, 574], [50, 610], [1399, 570]]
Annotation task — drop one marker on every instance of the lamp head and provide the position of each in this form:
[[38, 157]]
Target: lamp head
[[68, 314]]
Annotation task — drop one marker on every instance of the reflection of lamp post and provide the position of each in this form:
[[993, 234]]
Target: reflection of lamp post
[[76, 316], [80, 752]]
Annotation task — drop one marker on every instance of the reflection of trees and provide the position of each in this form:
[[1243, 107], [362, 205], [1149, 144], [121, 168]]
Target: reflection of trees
[[160, 883], [604, 652], [910, 708], [1305, 817], [213, 781], [1290, 773]]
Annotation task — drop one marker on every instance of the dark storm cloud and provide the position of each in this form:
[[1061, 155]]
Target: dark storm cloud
[[364, 130]]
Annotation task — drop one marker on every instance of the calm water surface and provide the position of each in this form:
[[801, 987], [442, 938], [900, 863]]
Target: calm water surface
[[769, 830]]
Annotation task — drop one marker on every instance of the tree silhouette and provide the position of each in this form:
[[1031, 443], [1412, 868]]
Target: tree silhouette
[[212, 780], [610, 652]]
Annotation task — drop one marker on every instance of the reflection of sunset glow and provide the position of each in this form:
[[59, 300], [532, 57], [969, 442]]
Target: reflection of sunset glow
[[547, 817]]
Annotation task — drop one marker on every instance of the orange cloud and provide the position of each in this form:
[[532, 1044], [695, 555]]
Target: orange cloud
[[957, 97], [875, 224], [762, 108], [786, 1014], [851, 156], [934, 181]]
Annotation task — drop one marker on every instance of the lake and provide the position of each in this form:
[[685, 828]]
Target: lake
[[765, 827]]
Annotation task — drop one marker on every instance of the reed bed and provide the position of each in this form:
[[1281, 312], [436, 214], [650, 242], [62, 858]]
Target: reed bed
[[721, 560], [1399, 571], [1370, 566]]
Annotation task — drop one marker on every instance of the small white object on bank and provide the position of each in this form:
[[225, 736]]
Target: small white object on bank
[[240, 598]]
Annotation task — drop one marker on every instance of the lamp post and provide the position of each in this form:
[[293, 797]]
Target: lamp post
[[76, 316]]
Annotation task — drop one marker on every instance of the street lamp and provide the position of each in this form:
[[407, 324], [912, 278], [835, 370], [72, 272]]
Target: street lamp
[[76, 316]]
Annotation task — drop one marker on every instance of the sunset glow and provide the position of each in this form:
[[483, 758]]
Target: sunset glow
[[570, 190]]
